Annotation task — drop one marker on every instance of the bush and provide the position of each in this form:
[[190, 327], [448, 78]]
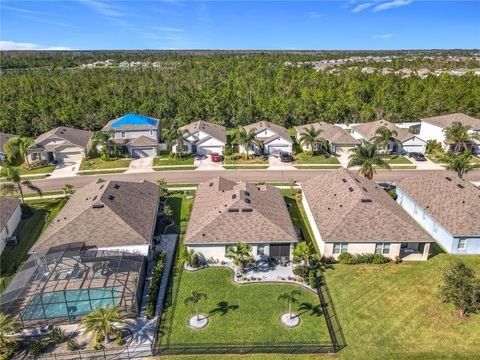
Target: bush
[[155, 284], [99, 338], [56, 336], [345, 258], [37, 346], [379, 259], [397, 260], [302, 271], [312, 279], [72, 345], [8, 350], [118, 338], [393, 194], [97, 346], [195, 260], [328, 260]]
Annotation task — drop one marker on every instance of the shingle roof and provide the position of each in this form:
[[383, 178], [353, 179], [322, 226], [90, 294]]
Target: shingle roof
[[454, 203], [7, 207], [132, 122], [142, 141], [350, 208], [367, 130], [216, 131], [262, 125], [262, 215], [4, 137], [445, 121], [75, 136], [335, 134], [105, 214]]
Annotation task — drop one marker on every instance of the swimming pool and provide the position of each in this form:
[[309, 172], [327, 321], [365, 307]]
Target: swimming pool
[[70, 303]]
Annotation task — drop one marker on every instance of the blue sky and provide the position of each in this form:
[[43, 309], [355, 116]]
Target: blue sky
[[171, 24]]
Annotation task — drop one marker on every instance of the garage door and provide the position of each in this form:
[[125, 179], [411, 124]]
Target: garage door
[[206, 150], [139, 153], [414, 148], [64, 156], [277, 149]]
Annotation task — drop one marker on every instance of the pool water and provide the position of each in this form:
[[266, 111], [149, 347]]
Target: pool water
[[70, 303]]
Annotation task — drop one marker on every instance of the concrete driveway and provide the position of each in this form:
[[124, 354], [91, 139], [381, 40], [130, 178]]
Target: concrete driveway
[[139, 165], [66, 169], [274, 163], [205, 162]]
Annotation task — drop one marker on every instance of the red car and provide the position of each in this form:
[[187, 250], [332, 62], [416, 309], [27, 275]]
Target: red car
[[216, 157]]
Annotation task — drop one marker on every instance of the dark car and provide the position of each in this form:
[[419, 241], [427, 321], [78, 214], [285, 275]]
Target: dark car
[[417, 156], [216, 157], [387, 186], [285, 157]]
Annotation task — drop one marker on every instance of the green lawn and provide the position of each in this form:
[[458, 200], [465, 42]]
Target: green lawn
[[239, 159], [98, 163], [40, 170], [164, 160], [182, 185], [398, 160], [100, 172], [246, 167], [181, 210], [398, 167], [173, 168], [304, 158], [298, 216], [319, 167]]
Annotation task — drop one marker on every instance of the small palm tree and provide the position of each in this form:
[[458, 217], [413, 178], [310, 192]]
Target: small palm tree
[[290, 298], [458, 134], [102, 321], [168, 211], [240, 255], [8, 326], [14, 184], [195, 298], [460, 163], [367, 157], [302, 252], [103, 138], [246, 139], [17, 147], [68, 190], [310, 138], [162, 184], [384, 136]]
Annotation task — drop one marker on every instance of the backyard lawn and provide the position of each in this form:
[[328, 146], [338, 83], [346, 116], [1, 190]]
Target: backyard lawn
[[304, 158], [164, 160], [98, 163]]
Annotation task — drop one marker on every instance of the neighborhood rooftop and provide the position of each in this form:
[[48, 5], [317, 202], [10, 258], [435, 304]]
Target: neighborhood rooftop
[[334, 134], [104, 214], [229, 212], [350, 208], [7, 207], [132, 122], [453, 202], [75, 136], [265, 125], [445, 121], [214, 130], [368, 129]]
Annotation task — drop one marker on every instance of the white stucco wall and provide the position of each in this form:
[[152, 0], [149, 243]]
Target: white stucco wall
[[132, 134], [313, 226], [431, 132], [10, 227], [132, 249]]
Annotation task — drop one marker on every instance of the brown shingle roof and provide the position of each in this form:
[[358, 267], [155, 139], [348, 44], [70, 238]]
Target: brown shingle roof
[[456, 207], [445, 121], [124, 214], [367, 130], [7, 207], [350, 208], [4, 137], [335, 134], [75, 136], [266, 219], [216, 131], [262, 125]]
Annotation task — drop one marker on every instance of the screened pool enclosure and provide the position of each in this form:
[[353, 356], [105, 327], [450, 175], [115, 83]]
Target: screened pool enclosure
[[62, 284]]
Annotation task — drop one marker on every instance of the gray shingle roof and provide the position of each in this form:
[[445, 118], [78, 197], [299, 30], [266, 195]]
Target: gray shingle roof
[[350, 208], [4, 137], [367, 130], [124, 214], [279, 130], [456, 207], [216, 131], [75, 136], [266, 219], [7, 207], [335, 134], [445, 121]]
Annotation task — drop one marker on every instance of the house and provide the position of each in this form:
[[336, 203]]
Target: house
[[349, 213], [203, 138], [409, 142], [226, 212], [275, 138], [62, 144], [136, 134], [10, 216], [4, 137], [447, 207], [339, 139], [433, 128]]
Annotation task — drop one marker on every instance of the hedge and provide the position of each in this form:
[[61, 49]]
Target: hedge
[[155, 284]]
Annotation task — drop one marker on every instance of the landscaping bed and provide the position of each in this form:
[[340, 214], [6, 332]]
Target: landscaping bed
[[174, 168], [101, 172], [98, 163], [241, 159], [319, 167], [304, 158], [163, 160], [246, 167]]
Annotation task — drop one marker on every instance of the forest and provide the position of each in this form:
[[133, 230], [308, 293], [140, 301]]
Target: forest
[[228, 90]]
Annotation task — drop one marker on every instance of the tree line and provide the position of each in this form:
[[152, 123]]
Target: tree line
[[228, 90]]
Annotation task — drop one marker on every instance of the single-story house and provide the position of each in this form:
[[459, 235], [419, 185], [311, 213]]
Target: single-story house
[[62, 144], [4, 137], [349, 213], [226, 212], [447, 207], [139, 135], [203, 138], [433, 128], [409, 142], [339, 139], [275, 138], [10, 216]]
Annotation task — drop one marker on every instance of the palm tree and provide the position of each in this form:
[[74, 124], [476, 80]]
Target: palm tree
[[246, 139], [195, 298], [459, 162], [102, 321], [13, 182], [383, 137], [291, 298], [458, 134], [68, 190], [367, 157], [310, 138], [162, 184], [102, 138], [169, 135], [241, 255], [17, 147], [8, 326], [302, 252]]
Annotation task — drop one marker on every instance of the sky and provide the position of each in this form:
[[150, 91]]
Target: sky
[[282, 25]]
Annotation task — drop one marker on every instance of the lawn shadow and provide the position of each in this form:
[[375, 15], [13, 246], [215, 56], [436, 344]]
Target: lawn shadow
[[223, 307], [315, 310], [435, 250]]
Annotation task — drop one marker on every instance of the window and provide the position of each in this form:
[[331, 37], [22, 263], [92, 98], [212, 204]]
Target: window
[[382, 248], [151, 132], [123, 134], [35, 156], [185, 148], [462, 244], [260, 250], [435, 227], [340, 248], [252, 147]]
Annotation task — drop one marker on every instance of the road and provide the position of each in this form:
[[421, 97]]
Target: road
[[190, 176]]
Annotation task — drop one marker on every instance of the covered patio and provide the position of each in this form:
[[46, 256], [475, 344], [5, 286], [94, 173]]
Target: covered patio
[[414, 251]]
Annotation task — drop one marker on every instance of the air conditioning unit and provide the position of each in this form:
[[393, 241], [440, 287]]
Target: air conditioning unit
[[11, 240]]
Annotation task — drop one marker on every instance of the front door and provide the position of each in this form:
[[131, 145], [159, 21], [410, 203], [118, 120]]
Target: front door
[[194, 149], [50, 157]]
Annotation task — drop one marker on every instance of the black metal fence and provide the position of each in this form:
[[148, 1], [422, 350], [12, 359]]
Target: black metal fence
[[124, 352]]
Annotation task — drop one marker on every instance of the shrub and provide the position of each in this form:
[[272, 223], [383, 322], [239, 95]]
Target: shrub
[[56, 336], [72, 345], [345, 258], [99, 338], [393, 194], [379, 259], [118, 338], [328, 260], [155, 284], [397, 260], [312, 279], [97, 346], [302, 271], [37, 346], [195, 260]]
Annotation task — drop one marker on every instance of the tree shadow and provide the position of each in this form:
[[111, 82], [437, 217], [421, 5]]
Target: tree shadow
[[315, 310], [222, 308]]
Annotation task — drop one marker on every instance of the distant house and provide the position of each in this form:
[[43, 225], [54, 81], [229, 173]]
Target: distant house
[[349, 213], [226, 212], [139, 135], [10, 216], [203, 138], [447, 207], [433, 128], [275, 138], [4, 137], [409, 142], [61, 144], [339, 139]]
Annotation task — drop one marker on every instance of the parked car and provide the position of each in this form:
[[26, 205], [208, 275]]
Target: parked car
[[285, 157], [387, 186], [417, 156], [216, 157]]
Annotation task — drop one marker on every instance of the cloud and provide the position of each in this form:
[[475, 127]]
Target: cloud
[[102, 8], [12, 45], [382, 36], [392, 4], [363, 6], [167, 29], [314, 15]]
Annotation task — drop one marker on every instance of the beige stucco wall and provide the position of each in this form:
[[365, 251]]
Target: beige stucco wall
[[363, 248], [10, 227], [217, 251]]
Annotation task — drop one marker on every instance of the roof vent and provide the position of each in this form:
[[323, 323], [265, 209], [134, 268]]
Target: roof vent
[[350, 189], [116, 186], [110, 197], [461, 186], [233, 210], [448, 178], [365, 190], [344, 180], [94, 198], [358, 181], [247, 201], [97, 206], [247, 210], [101, 186], [211, 184], [234, 196], [366, 200], [247, 193]]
